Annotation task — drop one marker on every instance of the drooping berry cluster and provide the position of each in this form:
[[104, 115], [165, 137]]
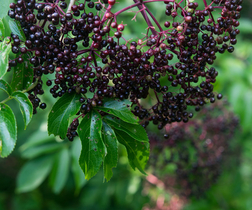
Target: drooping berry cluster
[[71, 131], [83, 46], [197, 151]]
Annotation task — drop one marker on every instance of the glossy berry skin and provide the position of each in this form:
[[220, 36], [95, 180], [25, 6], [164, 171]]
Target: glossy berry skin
[[42, 106], [120, 27], [219, 96]]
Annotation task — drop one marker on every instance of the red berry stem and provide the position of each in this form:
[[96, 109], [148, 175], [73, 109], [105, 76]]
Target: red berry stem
[[95, 62], [205, 3], [60, 10], [136, 4], [154, 19], [142, 9]]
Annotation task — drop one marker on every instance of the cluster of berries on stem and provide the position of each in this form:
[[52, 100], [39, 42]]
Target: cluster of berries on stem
[[83, 46]]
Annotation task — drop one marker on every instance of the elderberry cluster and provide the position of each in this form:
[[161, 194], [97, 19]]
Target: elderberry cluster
[[71, 131], [83, 46], [199, 150]]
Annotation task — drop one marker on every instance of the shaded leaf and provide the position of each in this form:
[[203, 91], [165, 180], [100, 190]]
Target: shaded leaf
[[119, 109], [25, 106], [60, 170], [33, 173], [8, 130], [79, 177], [35, 139], [111, 158], [5, 87], [93, 149], [138, 152], [39, 150], [135, 131], [5, 49], [67, 106], [23, 75]]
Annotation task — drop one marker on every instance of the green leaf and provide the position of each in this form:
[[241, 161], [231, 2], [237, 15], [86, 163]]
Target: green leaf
[[67, 106], [138, 152], [25, 106], [15, 28], [33, 173], [5, 7], [39, 150], [5, 87], [119, 109], [5, 49], [8, 130], [10, 24], [2, 29], [23, 75], [60, 170], [110, 141], [93, 149], [7, 31], [35, 139], [135, 131], [79, 177]]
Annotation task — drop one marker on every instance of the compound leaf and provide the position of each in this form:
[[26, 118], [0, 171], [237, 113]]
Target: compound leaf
[[93, 149], [110, 141], [67, 106], [120, 109], [25, 106], [136, 131], [8, 130], [138, 152], [5, 87]]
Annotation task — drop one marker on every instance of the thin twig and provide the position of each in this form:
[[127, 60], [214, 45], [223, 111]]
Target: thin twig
[[143, 12]]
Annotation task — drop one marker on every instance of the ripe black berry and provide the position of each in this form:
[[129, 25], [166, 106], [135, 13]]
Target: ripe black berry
[[15, 49], [42, 106], [219, 96]]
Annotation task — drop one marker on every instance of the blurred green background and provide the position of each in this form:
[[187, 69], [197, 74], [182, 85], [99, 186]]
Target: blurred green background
[[52, 185]]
